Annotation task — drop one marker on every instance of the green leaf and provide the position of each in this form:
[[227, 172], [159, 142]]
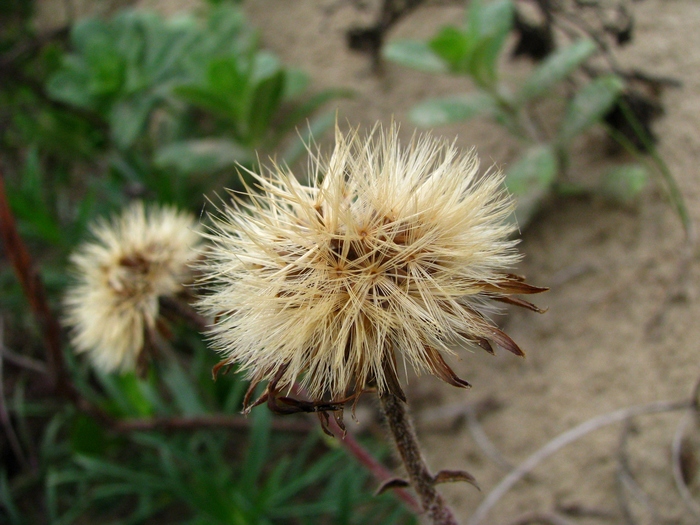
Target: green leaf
[[488, 26], [530, 180], [264, 103], [182, 389], [7, 502], [202, 155], [203, 98], [258, 445], [70, 86], [87, 436], [126, 394], [483, 60], [225, 79], [555, 69], [440, 111], [29, 204], [414, 54], [85, 31], [296, 84], [589, 105], [128, 119], [623, 184], [453, 46], [265, 65], [493, 19], [107, 69]]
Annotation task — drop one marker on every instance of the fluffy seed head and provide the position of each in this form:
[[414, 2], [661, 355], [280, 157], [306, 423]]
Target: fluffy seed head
[[131, 262], [390, 253]]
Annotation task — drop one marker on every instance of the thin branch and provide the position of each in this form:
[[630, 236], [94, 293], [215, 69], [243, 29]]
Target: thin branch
[[627, 484], [676, 456], [22, 361], [566, 438], [178, 309], [374, 467], [34, 291], [226, 421], [484, 442]]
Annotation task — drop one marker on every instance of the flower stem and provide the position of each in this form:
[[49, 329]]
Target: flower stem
[[422, 480]]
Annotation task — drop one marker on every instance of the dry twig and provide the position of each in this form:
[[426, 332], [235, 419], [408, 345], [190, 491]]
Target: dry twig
[[566, 438]]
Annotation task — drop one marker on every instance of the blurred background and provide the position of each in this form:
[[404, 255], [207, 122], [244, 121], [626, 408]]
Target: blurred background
[[590, 107]]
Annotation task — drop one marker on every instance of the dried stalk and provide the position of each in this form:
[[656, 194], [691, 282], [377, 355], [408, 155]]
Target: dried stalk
[[422, 480], [564, 439]]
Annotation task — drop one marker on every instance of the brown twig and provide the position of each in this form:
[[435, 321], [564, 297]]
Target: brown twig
[[34, 291], [564, 439], [226, 421], [677, 453], [374, 467], [422, 481], [174, 308], [677, 459], [22, 361]]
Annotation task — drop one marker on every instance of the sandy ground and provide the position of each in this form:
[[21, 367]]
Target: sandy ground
[[615, 336], [611, 338]]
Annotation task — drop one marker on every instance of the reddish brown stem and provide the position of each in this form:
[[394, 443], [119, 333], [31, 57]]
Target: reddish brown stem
[[422, 480], [208, 421], [374, 467], [179, 309], [34, 291]]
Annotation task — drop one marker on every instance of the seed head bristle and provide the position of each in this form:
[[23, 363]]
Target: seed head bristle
[[133, 260], [390, 252]]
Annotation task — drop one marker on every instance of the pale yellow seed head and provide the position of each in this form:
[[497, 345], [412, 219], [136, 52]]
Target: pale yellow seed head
[[120, 274], [391, 254]]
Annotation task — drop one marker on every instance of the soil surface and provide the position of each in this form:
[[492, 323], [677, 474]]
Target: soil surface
[[623, 323], [622, 327]]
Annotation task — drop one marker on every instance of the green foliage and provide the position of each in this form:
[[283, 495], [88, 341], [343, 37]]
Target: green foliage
[[588, 106], [530, 178], [624, 183], [475, 50], [138, 106], [446, 110], [192, 96], [557, 67]]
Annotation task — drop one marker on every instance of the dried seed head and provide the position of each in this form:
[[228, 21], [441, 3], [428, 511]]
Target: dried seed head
[[132, 261], [390, 253]]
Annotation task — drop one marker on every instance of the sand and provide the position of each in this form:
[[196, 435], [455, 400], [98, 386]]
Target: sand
[[622, 328]]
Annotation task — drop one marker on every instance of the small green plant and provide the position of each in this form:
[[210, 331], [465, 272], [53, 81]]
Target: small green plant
[[94, 116], [185, 96], [475, 50]]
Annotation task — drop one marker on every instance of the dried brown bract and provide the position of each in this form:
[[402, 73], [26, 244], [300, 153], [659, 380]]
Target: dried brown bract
[[392, 257]]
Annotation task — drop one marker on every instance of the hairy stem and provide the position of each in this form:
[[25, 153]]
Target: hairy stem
[[422, 480]]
